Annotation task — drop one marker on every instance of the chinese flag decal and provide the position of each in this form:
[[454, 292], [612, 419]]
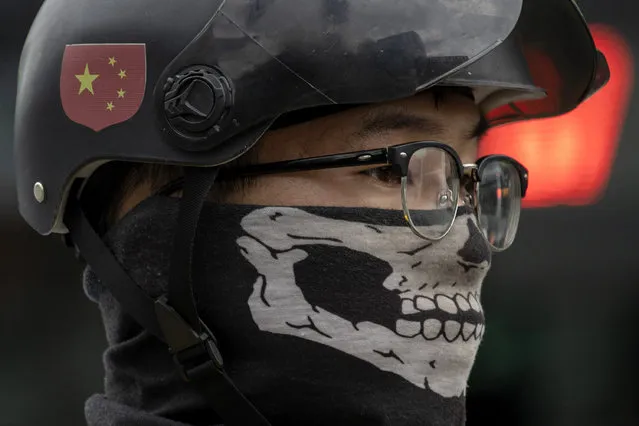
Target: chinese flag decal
[[102, 84]]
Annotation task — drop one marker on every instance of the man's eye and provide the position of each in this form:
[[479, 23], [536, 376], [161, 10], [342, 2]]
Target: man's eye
[[385, 175]]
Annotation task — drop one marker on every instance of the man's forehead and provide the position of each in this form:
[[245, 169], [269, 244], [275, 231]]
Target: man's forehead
[[428, 119], [448, 115]]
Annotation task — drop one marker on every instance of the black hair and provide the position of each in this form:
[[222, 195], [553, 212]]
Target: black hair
[[113, 183]]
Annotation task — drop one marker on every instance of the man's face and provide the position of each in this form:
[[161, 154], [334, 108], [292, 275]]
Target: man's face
[[386, 297], [454, 119], [401, 304]]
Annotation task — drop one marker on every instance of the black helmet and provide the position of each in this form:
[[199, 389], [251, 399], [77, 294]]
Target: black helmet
[[198, 82]]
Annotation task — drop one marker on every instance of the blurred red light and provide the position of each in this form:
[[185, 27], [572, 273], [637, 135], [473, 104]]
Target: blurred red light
[[570, 157]]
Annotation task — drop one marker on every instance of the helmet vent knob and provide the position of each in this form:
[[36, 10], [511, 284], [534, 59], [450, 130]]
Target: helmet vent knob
[[197, 103]]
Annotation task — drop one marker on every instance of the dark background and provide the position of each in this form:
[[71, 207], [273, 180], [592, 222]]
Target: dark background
[[562, 304]]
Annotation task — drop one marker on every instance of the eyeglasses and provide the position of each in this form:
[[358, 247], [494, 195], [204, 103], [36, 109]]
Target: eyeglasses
[[432, 179]]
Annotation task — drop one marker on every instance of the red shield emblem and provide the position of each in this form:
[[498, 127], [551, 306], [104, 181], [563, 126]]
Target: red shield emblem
[[102, 84]]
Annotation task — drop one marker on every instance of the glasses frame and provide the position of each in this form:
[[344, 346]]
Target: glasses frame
[[471, 180], [396, 156]]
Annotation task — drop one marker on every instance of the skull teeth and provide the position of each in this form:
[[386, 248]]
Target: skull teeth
[[468, 330], [424, 304], [408, 328], [473, 302], [451, 330], [449, 304], [432, 328], [408, 307], [462, 303], [446, 304], [479, 332]]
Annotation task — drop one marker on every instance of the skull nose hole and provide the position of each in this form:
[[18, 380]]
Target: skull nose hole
[[475, 249]]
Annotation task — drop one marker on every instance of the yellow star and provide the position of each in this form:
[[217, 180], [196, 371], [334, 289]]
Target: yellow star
[[121, 93], [112, 61], [110, 106], [86, 80], [122, 74]]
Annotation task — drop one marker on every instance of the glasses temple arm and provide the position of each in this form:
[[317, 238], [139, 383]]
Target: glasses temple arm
[[350, 159]]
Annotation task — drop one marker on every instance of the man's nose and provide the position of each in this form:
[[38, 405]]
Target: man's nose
[[465, 199]]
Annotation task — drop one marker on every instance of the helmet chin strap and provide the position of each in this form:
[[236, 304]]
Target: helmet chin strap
[[173, 317], [197, 185]]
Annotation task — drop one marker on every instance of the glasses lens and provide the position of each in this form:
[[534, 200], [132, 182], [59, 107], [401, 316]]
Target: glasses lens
[[431, 191], [499, 195]]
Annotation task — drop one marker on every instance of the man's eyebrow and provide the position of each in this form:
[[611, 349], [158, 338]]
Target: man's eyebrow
[[481, 128], [384, 120]]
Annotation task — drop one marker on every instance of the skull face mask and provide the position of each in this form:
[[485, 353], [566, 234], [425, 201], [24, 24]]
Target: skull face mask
[[376, 292], [323, 315]]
